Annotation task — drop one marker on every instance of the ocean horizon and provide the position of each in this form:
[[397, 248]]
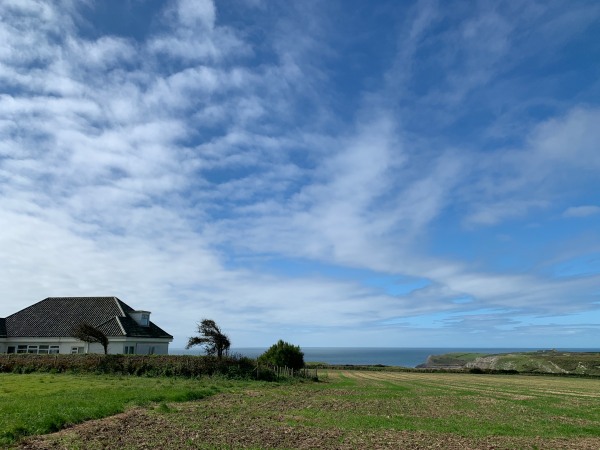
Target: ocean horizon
[[387, 356]]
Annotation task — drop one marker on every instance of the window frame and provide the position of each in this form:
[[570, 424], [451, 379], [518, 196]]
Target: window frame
[[36, 349], [129, 349]]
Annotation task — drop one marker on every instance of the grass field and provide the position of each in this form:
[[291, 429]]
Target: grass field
[[43, 403], [356, 409], [548, 361]]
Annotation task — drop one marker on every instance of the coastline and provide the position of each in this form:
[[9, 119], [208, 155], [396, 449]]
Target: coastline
[[410, 357]]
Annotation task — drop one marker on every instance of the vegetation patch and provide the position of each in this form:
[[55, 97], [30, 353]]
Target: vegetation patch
[[44, 403], [353, 409], [543, 361], [140, 365]]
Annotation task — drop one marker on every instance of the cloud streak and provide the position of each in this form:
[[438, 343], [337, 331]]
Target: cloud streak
[[188, 166]]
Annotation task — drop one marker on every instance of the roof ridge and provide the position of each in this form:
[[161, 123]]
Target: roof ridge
[[30, 306], [82, 297], [121, 325], [118, 302]]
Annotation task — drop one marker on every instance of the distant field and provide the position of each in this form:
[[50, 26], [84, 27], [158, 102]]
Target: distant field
[[361, 409], [549, 361]]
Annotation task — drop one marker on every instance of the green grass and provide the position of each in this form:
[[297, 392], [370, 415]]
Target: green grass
[[552, 362], [469, 405], [347, 408], [43, 403], [452, 359]]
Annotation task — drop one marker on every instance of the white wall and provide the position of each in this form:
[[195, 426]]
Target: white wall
[[141, 348], [155, 348], [64, 344], [114, 347]]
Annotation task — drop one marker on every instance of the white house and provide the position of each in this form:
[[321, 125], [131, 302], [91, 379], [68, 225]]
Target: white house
[[46, 327]]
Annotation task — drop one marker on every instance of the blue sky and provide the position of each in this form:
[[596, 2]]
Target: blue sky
[[339, 173]]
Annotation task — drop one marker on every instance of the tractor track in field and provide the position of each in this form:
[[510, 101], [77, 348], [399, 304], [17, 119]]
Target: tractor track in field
[[311, 416]]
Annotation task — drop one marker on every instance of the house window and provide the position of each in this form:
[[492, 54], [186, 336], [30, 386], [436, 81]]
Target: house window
[[129, 350], [145, 321], [75, 350], [43, 349]]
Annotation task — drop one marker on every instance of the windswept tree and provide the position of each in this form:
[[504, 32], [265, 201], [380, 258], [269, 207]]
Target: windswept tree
[[88, 333], [216, 343]]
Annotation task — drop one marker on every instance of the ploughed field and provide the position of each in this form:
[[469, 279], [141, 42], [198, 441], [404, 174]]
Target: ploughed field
[[347, 409]]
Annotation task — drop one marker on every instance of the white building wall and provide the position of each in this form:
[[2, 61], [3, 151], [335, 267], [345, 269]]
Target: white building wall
[[71, 345], [64, 344], [152, 348], [140, 347]]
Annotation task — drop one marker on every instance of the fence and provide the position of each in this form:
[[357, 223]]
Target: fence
[[286, 372]]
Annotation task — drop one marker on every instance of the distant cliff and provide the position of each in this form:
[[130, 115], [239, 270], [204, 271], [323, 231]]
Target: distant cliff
[[449, 360], [547, 361]]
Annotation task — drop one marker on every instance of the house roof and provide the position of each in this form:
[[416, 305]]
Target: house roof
[[56, 317], [2, 327]]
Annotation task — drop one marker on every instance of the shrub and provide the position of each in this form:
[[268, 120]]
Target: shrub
[[283, 354], [140, 365]]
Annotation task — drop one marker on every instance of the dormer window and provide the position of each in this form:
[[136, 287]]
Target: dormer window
[[142, 318]]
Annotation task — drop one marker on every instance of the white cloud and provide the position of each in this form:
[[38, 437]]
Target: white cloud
[[582, 211], [175, 171], [559, 152], [571, 140], [193, 35], [194, 13]]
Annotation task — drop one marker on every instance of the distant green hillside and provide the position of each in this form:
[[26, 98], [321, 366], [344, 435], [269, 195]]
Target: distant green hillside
[[548, 361], [450, 360]]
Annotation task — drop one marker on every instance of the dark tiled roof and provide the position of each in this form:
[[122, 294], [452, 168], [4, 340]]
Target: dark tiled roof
[[111, 327], [2, 327], [56, 316], [134, 330]]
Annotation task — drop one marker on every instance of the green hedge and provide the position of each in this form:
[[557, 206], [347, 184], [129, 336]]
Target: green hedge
[[152, 365]]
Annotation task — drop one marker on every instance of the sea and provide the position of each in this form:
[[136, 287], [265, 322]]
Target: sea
[[387, 356]]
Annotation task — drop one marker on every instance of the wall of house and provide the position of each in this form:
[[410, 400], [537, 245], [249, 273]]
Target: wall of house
[[152, 348], [70, 345], [139, 347], [64, 345]]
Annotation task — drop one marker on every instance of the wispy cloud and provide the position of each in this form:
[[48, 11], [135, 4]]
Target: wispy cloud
[[582, 211], [179, 165]]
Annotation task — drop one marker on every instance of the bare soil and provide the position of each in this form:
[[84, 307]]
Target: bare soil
[[257, 419]]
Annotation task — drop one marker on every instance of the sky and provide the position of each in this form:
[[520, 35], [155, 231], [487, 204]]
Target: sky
[[340, 173]]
